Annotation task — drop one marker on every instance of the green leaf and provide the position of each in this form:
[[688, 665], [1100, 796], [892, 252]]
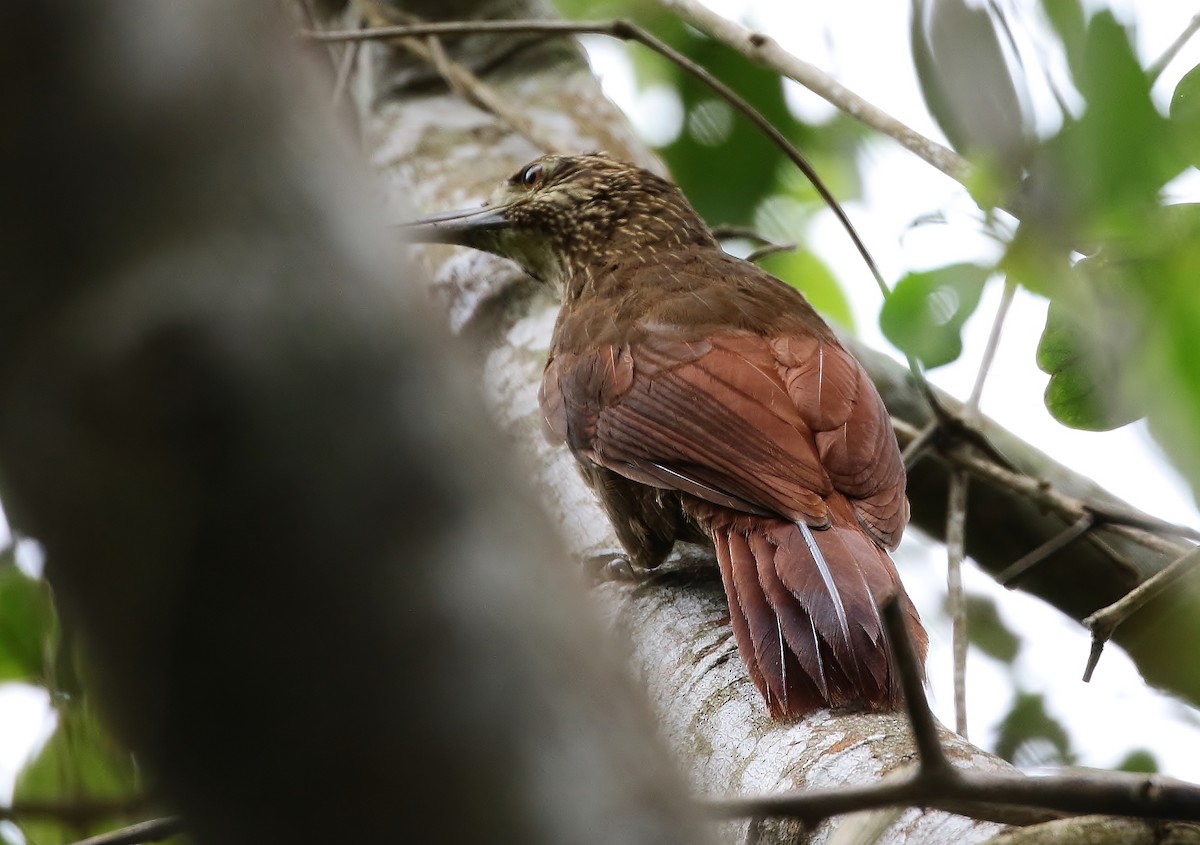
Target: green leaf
[[1069, 22], [1169, 292], [80, 764], [808, 274], [1185, 115], [1029, 736], [970, 87], [924, 315], [1140, 761], [1088, 347], [716, 140], [1102, 173], [27, 625], [988, 632]]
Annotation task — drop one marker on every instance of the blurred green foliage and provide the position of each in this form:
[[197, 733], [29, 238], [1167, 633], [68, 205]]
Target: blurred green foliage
[[1030, 737], [987, 631], [1138, 761], [1122, 338], [28, 629], [80, 765], [925, 313]]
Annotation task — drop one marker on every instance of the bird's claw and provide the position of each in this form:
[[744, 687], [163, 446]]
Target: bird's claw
[[612, 566]]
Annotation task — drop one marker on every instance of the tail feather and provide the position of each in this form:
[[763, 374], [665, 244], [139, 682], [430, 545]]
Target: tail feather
[[737, 617], [804, 608], [796, 626], [776, 662]]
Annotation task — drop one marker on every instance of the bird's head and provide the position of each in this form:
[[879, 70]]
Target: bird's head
[[561, 215]]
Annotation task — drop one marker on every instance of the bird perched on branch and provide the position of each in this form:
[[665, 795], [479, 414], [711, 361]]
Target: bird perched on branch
[[704, 398]]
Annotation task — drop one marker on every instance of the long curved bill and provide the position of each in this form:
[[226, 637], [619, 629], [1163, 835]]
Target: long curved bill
[[456, 227]]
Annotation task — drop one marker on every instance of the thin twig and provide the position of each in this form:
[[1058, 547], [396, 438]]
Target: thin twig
[[73, 812], [766, 246], [1155, 70], [1044, 495], [1068, 535], [769, 249], [1115, 515], [920, 444], [956, 520], [956, 533], [1098, 793], [916, 705], [345, 68], [725, 231], [1103, 622], [764, 50], [456, 76], [152, 830], [989, 351]]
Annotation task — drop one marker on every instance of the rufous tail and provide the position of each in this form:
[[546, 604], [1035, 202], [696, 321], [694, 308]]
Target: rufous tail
[[804, 604]]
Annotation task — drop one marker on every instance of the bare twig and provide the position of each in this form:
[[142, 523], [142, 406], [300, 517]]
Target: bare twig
[[1155, 70], [456, 76], [921, 443], [1103, 622], [152, 830], [908, 666], [1081, 526], [956, 520], [956, 523], [765, 245], [725, 231], [938, 784], [1114, 515], [1046, 495], [345, 68], [762, 49], [73, 812], [989, 351], [769, 249]]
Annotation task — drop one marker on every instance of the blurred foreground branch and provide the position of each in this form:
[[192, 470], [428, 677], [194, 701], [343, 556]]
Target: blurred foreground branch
[[315, 597]]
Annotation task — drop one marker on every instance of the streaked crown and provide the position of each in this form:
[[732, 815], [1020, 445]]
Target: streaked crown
[[564, 215]]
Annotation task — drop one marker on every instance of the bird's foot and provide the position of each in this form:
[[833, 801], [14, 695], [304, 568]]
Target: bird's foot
[[611, 566]]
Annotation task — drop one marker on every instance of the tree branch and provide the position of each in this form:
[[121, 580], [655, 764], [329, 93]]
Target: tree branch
[[764, 50], [152, 830]]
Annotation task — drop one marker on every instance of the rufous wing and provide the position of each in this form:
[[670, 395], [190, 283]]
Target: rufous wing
[[785, 453]]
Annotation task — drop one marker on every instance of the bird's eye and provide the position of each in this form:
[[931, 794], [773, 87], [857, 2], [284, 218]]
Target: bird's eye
[[532, 175]]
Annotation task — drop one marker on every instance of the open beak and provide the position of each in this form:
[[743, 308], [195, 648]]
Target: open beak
[[456, 227]]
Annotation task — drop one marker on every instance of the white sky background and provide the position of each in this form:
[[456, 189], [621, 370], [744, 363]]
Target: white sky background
[[864, 44]]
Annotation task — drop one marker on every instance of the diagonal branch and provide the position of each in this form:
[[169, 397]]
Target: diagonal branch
[[764, 50], [152, 830], [1103, 622], [1155, 70]]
